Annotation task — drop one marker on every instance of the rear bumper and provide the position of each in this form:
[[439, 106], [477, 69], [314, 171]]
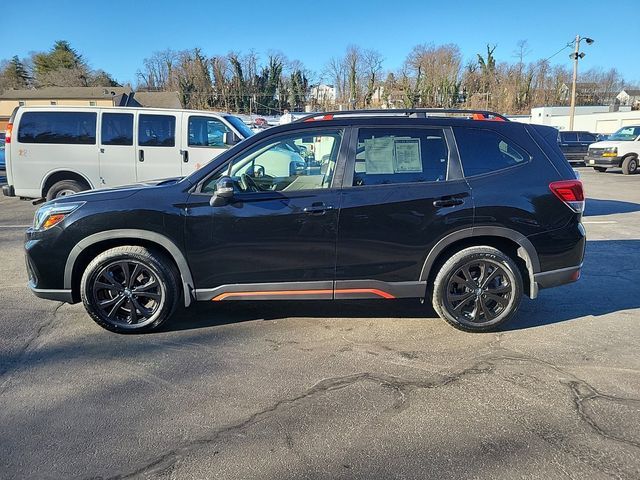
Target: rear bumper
[[57, 295], [602, 161], [8, 191], [555, 278]]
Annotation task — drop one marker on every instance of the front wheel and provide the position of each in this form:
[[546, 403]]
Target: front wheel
[[630, 166], [477, 289], [130, 289]]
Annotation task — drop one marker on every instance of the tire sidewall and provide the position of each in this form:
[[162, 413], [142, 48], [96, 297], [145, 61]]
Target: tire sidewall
[[469, 256], [161, 272], [63, 185], [632, 165]]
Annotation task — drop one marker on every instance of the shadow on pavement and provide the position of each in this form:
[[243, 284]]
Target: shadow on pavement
[[596, 207], [610, 267]]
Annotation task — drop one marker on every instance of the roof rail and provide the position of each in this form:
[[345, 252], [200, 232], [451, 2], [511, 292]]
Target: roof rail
[[407, 112]]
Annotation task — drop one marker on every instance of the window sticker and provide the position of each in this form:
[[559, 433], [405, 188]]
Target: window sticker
[[408, 155], [378, 154]]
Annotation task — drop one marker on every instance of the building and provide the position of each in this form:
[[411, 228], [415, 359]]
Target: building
[[83, 97], [596, 119], [630, 97], [321, 95]]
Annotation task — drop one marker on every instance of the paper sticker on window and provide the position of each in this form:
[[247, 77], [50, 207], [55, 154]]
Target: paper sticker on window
[[378, 154], [408, 156]]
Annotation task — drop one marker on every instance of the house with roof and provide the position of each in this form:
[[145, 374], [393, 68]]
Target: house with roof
[[630, 97]]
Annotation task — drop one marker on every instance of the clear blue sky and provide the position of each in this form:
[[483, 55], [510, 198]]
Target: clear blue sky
[[117, 35]]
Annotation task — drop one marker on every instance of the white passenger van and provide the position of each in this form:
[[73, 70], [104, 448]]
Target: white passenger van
[[57, 151]]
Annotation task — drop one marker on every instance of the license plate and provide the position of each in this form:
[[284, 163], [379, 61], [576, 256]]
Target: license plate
[[592, 162]]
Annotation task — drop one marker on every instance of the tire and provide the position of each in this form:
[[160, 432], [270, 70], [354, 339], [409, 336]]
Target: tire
[[600, 169], [630, 165], [457, 302], [140, 304], [64, 188]]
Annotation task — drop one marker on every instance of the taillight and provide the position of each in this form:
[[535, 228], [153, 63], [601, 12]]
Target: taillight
[[7, 135], [570, 192]]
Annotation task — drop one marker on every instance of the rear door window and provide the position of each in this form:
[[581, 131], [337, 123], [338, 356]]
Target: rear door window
[[117, 129], [74, 128], [157, 131], [400, 155], [485, 151], [586, 137]]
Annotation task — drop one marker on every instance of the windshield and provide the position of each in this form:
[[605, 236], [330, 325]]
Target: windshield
[[626, 134], [239, 125]]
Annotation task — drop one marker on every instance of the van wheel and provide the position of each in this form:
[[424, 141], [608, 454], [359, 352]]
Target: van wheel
[[630, 165], [64, 188], [600, 169], [477, 289], [130, 289]]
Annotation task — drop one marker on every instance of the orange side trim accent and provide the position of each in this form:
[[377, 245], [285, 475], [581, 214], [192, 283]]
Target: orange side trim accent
[[222, 296], [274, 293], [375, 291]]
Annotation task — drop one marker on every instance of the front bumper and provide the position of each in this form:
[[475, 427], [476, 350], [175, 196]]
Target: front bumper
[[602, 161], [8, 191]]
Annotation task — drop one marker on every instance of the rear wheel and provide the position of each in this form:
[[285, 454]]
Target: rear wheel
[[630, 165], [130, 289], [64, 188], [600, 169], [477, 289]]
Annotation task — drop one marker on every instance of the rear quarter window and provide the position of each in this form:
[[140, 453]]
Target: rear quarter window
[[74, 128], [486, 151]]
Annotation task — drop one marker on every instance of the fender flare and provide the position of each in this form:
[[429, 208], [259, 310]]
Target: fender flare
[[526, 250], [154, 237]]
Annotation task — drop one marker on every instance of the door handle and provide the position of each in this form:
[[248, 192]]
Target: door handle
[[448, 202], [185, 156], [318, 208], [141, 155]]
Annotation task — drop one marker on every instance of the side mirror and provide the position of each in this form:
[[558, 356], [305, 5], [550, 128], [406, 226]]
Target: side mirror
[[230, 138], [223, 192]]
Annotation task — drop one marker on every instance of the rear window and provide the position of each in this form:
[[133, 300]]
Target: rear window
[[586, 137], [117, 129], [77, 128], [157, 131], [486, 151]]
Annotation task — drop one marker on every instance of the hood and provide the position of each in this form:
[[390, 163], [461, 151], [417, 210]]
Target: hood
[[607, 144], [115, 193]]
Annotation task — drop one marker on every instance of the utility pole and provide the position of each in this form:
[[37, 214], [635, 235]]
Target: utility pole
[[576, 55]]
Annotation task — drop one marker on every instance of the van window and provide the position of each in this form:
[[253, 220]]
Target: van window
[[117, 129], [157, 131], [58, 127], [397, 155], [485, 151], [206, 132]]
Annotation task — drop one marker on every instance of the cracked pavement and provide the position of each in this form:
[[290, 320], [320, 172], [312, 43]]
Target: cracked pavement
[[333, 390]]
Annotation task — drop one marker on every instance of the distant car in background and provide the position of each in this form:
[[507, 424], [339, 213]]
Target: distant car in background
[[575, 145], [621, 149], [2, 162]]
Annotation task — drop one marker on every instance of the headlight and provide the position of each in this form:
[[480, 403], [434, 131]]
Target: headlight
[[50, 215], [610, 152]]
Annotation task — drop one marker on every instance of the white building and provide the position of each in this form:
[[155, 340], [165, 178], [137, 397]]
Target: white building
[[322, 94], [596, 119], [630, 97]]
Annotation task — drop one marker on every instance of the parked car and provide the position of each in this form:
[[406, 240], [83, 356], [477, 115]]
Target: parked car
[[469, 215], [575, 144], [622, 150], [57, 151], [2, 158]]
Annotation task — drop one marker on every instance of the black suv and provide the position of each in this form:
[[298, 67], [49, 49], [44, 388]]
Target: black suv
[[464, 209]]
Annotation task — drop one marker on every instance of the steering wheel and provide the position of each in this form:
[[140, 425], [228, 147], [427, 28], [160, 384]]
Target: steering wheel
[[248, 184]]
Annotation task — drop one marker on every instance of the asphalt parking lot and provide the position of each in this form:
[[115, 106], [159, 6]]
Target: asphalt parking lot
[[333, 390]]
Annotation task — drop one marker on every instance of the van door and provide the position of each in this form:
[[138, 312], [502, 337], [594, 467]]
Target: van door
[[117, 152], [202, 140], [158, 150]]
